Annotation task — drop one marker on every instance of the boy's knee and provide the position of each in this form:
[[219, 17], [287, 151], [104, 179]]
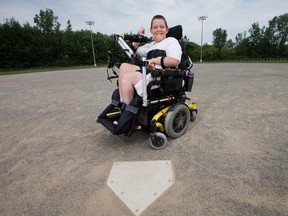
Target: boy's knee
[[123, 69], [123, 66]]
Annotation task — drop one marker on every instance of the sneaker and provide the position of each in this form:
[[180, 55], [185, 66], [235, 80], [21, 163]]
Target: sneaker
[[138, 127]]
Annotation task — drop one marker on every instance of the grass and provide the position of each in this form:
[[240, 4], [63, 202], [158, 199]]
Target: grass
[[36, 70], [249, 61]]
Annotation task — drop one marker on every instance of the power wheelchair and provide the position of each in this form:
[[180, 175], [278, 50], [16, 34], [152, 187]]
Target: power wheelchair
[[162, 108]]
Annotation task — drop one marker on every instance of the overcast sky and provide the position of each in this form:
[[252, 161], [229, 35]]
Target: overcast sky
[[125, 16]]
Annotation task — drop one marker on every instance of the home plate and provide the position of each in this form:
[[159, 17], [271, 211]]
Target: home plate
[[140, 183]]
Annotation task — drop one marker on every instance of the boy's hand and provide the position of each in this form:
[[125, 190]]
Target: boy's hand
[[141, 31]]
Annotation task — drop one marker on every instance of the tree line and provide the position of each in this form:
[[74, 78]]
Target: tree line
[[265, 42], [45, 45]]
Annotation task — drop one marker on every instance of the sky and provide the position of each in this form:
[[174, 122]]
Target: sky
[[127, 16]]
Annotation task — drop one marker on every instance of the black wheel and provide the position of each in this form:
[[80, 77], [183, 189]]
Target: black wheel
[[193, 115], [176, 121], [158, 141]]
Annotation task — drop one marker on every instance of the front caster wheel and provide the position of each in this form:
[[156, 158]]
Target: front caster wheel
[[158, 141], [193, 115]]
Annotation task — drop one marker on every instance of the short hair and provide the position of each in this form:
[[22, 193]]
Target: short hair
[[159, 17]]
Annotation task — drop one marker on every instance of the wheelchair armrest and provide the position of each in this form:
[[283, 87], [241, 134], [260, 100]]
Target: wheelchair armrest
[[176, 72]]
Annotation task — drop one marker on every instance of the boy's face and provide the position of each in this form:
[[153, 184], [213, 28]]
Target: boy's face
[[159, 30]]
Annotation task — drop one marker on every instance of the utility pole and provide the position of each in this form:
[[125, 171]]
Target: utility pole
[[202, 18], [92, 23]]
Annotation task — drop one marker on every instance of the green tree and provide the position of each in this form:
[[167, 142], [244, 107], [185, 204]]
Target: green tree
[[242, 47], [50, 48], [256, 39], [15, 46], [230, 44], [278, 28], [46, 22], [219, 39], [69, 27]]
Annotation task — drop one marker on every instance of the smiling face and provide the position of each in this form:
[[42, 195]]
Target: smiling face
[[159, 30]]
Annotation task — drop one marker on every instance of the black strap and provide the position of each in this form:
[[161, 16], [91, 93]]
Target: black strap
[[162, 62], [115, 102], [131, 109]]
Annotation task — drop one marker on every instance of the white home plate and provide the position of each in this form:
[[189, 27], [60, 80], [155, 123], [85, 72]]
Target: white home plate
[[140, 183]]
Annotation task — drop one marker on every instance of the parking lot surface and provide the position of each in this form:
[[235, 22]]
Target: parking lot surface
[[233, 160]]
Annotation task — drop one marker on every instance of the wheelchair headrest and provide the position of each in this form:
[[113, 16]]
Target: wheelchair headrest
[[175, 32]]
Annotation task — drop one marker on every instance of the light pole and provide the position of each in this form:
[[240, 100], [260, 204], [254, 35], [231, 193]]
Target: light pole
[[92, 23], [202, 18]]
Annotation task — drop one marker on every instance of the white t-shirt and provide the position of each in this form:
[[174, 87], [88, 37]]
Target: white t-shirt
[[172, 48], [170, 45]]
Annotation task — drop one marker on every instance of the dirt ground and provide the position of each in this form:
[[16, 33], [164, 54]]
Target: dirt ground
[[55, 159]]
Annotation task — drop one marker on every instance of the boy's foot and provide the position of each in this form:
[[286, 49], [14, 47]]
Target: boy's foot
[[138, 127]]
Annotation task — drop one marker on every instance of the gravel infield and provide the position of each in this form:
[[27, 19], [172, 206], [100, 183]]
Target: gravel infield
[[55, 159]]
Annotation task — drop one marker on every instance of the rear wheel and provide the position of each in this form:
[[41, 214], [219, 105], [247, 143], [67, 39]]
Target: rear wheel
[[176, 121]]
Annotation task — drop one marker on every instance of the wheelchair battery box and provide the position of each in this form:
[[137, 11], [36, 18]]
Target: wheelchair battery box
[[171, 85]]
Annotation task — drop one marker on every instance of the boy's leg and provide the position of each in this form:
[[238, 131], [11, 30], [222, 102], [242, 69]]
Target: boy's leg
[[128, 77], [126, 87]]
